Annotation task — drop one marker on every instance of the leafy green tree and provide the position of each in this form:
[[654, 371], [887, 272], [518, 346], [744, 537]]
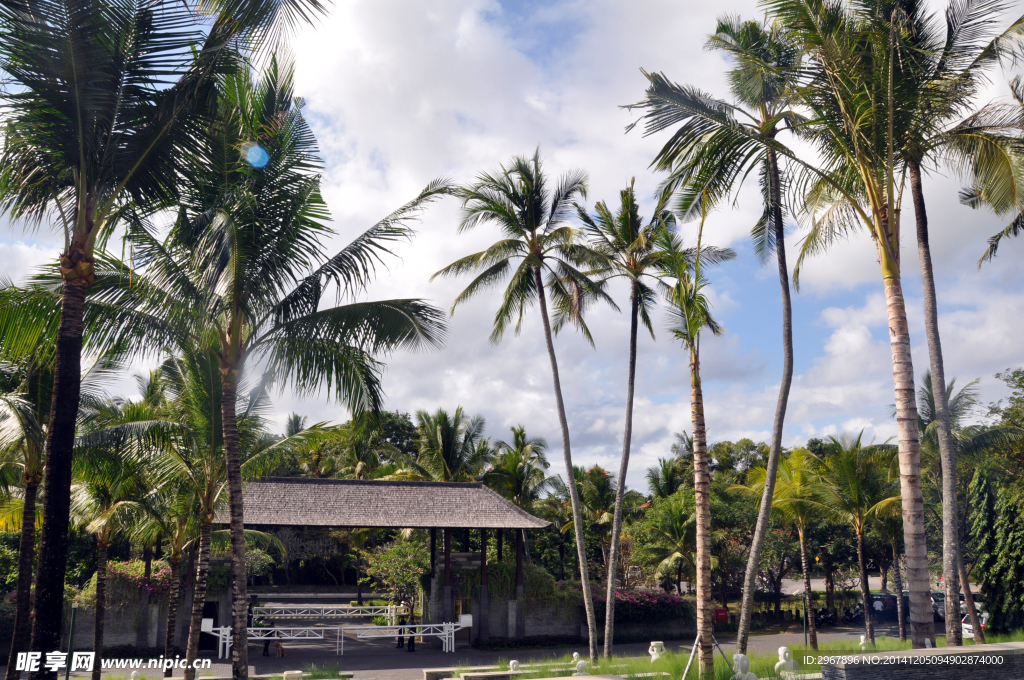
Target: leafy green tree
[[398, 566], [1002, 568], [102, 105], [398, 430], [536, 243]]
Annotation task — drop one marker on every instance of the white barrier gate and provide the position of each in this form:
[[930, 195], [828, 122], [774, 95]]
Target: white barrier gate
[[391, 612], [445, 631]]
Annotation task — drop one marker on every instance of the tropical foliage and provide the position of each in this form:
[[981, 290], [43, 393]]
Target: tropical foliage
[[175, 128]]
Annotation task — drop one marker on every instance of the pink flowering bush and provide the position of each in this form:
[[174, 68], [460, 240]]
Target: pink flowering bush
[[126, 583], [633, 606]]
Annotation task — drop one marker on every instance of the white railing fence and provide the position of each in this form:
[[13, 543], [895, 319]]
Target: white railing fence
[[444, 631], [391, 612]]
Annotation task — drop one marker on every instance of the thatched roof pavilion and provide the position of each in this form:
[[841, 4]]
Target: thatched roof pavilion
[[349, 503]]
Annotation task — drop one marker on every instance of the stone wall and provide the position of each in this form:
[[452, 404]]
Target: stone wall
[[552, 618], [140, 625], [1003, 661]]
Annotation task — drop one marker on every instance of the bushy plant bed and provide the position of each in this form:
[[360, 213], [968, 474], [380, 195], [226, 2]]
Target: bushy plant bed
[[645, 607]]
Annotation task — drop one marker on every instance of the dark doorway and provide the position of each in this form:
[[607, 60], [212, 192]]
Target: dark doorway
[[208, 642]]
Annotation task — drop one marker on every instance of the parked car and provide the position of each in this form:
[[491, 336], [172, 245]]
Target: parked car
[[967, 630], [979, 603], [939, 604]]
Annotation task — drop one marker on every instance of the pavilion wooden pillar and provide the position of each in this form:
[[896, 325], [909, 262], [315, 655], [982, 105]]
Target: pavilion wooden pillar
[[501, 539], [433, 552], [448, 608], [431, 611], [520, 595], [483, 625]]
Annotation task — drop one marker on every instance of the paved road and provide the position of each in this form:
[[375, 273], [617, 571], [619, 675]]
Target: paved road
[[380, 660]]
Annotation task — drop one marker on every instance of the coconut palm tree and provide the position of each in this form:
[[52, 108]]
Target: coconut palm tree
[[171, 517], [192, 458], [948, 130], [243, 271], [519, 473], [101, 116], [853, 485], [519, 469], [556, 508], [797, 498], [852, 83], [112, 481], [25, 399], [665, 478], [715, 147], [689, 314], [627, 244], [889, 525], [24, 392], [536, 243], [672, 541], [452, 448]]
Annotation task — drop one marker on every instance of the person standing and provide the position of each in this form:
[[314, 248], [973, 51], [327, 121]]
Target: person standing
[[266, 641], [412, 634], [401, 632]]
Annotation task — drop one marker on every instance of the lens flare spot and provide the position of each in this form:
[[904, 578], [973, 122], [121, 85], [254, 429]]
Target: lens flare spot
[[255, 155]]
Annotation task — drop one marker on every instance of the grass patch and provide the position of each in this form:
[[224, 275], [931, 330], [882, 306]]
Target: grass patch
[[674, 662]]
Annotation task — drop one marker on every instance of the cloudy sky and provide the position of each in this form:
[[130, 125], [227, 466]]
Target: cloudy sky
[[400, 92]]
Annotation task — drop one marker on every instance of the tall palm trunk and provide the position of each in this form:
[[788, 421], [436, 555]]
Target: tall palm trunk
[[172, 608], [574, 494], [620, 492], [26, 550], [865, 595], [702, 495], [198, 599], [761, 530], [947, 454], [240, 637], [102, 545], [812, 630], [921, 614], [898, 581], [972, 610], [60, 439]]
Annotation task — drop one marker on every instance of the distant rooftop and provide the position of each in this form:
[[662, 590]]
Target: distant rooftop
[[349, 503]]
